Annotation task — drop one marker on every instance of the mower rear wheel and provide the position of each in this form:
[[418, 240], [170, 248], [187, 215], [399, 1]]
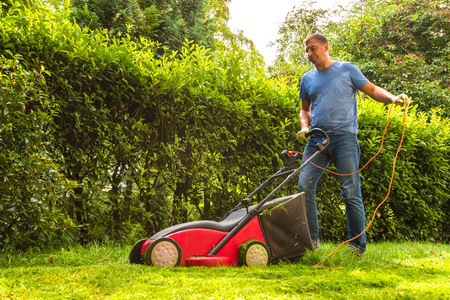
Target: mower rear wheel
[[163, 252], [254, 253], [135, 254]]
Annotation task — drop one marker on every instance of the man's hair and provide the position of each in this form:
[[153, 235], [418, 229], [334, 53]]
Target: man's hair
[[318, 36]]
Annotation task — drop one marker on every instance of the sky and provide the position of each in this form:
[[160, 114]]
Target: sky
[[260, 20]]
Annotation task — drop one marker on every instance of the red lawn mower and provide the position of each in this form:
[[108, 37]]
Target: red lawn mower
[[246, 235]]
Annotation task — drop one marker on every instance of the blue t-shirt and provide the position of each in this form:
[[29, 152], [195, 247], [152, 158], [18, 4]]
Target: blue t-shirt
[[332, 93]]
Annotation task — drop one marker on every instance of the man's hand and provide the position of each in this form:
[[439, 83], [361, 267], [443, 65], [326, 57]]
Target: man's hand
[[401, 99], [301, 135]]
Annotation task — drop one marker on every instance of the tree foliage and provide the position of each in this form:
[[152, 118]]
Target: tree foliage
[[402, 46], [298, 24], [168, 22]]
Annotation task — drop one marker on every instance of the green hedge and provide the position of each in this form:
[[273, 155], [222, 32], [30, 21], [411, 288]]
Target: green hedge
[[417, 207], [101, 140], [30, 182], [147, 142]]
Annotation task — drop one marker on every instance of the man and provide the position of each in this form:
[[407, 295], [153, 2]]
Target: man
[[328, 94]]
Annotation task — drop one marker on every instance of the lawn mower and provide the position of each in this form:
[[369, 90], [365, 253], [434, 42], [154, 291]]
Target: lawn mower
[[255, 235]]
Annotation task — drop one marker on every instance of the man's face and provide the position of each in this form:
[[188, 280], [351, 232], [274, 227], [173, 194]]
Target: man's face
[[316, 51]]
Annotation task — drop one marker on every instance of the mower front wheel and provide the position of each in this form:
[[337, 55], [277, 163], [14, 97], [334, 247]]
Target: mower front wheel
[[135, 254], [163, 252], [254, 253]]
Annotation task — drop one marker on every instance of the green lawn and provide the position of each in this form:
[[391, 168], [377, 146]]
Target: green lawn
[[388, 270]]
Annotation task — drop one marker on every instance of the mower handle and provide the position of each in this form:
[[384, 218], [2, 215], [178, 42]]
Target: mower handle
[[291, 174], [320, 132], [289, 158]]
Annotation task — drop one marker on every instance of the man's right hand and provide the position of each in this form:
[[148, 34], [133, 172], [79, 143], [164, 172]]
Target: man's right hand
[[401, 99], [301, 135]]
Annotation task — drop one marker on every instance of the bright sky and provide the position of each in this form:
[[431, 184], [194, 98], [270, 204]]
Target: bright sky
[[260, 20]]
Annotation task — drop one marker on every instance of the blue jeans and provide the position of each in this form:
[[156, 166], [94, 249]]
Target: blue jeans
[[344, 152]]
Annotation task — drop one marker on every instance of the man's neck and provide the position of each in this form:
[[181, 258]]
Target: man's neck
[[328, 63]]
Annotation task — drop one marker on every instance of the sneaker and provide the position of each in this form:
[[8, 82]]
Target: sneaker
[[315, 245], [355, 250]]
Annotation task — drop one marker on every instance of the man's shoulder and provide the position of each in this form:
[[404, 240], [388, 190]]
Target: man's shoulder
[[345, 64], [309, 73]]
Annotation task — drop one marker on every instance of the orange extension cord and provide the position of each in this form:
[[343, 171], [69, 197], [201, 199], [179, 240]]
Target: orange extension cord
[[317, 266]]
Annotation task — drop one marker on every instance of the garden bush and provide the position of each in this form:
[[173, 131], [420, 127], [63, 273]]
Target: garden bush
[[31, 183], [417, 206]]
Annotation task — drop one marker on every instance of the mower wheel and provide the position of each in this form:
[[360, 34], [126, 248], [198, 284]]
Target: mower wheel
[[135, 254], [163, 252], [254, 253]]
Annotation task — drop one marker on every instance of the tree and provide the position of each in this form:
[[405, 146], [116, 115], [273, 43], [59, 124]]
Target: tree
[[168, 22], [117, 16], [400, 45], [403, 46], [300, 22]]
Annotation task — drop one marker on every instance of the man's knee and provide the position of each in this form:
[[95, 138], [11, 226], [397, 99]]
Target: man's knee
[[306, 186]]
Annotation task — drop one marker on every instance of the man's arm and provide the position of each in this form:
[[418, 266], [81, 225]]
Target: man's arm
[[377, 93], [305, 114], [383, 96], [305, 120]]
